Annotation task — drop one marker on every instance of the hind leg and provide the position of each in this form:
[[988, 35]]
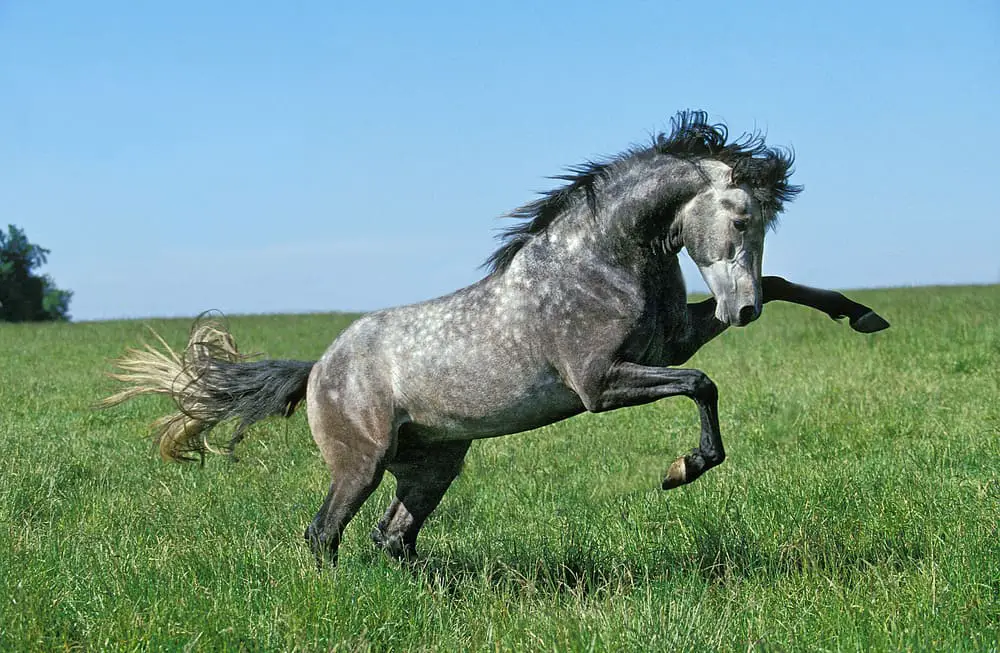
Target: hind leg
[[350, 487], [423, 474], [356, 439]]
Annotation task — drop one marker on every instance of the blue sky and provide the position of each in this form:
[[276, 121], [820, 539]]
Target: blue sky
[[312, 156]]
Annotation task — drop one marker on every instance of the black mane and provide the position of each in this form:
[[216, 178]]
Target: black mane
[[766, 170]]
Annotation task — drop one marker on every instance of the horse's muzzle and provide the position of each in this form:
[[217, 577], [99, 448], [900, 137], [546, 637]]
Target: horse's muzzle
[[746, 315]]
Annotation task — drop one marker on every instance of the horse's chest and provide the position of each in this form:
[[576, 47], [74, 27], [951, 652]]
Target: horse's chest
[[662, 338]]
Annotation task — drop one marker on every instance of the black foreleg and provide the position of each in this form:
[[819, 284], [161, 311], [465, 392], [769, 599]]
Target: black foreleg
[[628, 384], [705, 326], [834, 304]]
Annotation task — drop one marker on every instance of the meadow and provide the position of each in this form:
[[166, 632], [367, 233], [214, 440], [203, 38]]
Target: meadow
[[859, 507]]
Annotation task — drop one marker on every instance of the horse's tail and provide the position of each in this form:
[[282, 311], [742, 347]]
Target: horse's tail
[[210, 382]]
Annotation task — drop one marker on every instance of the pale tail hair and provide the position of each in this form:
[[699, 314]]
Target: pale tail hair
[[209, 381]]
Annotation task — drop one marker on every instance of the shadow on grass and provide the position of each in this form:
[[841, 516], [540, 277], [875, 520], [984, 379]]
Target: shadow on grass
[[715, 554], [578, 574], [723, 553]]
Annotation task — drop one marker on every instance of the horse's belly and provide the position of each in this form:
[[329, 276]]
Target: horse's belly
[[483, 410]]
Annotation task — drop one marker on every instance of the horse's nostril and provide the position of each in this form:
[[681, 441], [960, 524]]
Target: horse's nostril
[[747, 314]]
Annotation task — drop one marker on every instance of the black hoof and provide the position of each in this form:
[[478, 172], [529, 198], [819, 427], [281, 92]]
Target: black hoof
[[870, 322]]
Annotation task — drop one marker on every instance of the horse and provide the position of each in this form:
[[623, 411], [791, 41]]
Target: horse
[[583, 308]]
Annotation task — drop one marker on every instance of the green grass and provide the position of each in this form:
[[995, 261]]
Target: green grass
[[858, 508]]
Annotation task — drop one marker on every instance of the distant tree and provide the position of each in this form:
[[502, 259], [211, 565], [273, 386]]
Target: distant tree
[[24, 296]]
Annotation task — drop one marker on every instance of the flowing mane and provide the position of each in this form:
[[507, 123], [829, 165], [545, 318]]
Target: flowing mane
[[765, 169]]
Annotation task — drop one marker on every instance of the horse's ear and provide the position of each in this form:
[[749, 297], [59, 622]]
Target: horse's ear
[[675, 237]]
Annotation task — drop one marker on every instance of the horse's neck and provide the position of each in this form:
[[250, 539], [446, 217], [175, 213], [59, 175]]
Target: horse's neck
[[565, 261]]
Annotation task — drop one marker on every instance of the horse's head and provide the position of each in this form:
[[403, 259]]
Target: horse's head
[[723, 228], [690, 188]]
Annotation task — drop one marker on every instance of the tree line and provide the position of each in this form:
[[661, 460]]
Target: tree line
[[26, 296]]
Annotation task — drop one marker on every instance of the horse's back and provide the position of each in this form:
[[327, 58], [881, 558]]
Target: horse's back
[[457, 367]]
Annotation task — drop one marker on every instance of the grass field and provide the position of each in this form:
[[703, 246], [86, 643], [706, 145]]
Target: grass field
[[859, 507]]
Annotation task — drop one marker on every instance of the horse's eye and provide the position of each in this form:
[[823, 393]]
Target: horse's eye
[[741, 224]]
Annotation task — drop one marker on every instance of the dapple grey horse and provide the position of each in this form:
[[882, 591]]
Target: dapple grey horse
[[584, 309]]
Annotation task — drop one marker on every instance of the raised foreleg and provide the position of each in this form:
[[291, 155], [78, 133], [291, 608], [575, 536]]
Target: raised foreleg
[[629, 384], [837, 306], [705, 326]]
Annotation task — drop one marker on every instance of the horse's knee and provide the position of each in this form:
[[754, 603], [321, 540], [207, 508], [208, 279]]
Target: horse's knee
[[705, 388]]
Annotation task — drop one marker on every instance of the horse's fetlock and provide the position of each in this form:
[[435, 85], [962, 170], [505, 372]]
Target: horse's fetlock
[[394, 545]]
